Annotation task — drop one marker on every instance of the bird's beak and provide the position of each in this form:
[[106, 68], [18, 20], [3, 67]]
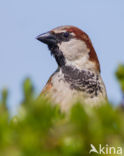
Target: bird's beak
[[47, 38]]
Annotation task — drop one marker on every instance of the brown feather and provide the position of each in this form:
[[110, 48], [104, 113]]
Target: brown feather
[[47, 87], [83, 36]]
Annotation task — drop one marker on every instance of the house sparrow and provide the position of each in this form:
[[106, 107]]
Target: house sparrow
[[78, 74]]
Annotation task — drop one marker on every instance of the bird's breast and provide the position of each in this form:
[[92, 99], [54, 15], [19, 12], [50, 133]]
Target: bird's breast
[[66, 93]]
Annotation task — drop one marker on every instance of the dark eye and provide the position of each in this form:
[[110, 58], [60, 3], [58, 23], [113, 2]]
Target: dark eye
[[66, 34]]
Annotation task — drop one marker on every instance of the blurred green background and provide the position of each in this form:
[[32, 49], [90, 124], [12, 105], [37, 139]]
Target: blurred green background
[[41, 130]]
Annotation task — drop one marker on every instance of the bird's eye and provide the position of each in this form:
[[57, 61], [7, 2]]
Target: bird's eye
[[66, 34]]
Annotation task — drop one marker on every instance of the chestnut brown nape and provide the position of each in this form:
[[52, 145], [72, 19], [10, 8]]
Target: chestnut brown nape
[[83, 36]]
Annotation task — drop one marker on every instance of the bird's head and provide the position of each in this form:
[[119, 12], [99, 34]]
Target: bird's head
[[71, 46]]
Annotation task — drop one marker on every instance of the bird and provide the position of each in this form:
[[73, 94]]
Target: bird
[[77, 77]]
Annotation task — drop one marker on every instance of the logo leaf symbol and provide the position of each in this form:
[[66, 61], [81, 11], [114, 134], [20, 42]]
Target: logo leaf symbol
[[93, 149]]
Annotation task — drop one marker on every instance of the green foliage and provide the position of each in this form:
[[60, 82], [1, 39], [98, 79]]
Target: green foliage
[[40, 129], [120, 76]]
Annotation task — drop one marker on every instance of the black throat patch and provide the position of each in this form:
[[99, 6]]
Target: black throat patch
[[55, 51], [83, 80], [60, 59]]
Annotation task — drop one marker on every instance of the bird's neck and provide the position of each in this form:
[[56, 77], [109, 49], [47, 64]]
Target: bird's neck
[[82, 63], [82, 80], [76, 73]]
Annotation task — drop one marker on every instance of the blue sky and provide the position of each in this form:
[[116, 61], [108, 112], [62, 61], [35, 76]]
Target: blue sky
[[21, 55]]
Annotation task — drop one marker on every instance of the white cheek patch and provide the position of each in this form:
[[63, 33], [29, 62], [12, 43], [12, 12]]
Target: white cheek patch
[[73, 49]]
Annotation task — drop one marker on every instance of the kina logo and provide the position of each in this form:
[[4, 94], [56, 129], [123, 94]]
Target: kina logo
[[106, 149]]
